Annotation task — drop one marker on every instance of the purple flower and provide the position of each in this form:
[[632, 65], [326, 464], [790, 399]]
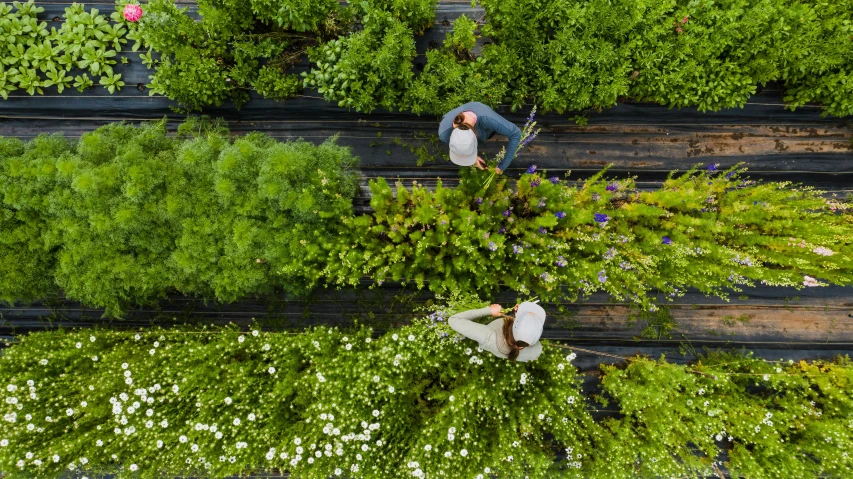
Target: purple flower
[[625, 265], [502, 230], [479, 201], [609, 254], [535, 183], [713, 167], [560, 215], [531, 170], [542, 203], [493, 246], [507, 213], [542, 230], [623, 239], [561, 262], [612, 187], [710, 182], [528, 140], [602, 278], [596, 197], [517, 249], [554, 180], [666, 240], [601, 218], [730, 174]]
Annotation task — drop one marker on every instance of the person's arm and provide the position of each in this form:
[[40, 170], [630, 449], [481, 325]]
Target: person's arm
[[462, 323], [444, 133], [503, 127]]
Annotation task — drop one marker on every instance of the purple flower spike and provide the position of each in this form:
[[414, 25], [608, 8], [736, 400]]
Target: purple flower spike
[[602, 278], [612, 187], [666, 240], [534, 183], [507, 213], [554, 180], [531, 170], [713, 167], [560, 215], [730, 174], [601, 217]]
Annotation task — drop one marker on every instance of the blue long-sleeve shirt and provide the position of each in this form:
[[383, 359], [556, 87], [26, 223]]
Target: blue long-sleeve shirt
[[488, 122]]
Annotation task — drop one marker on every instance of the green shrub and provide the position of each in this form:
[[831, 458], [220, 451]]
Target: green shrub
[[368, 69], [543, 237], [418, 15], [416, 401], [129, 213]]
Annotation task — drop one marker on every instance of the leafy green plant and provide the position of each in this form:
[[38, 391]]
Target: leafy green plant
[[418, 15], [36, 58], [368, 69], [417, 401], [462, 38]]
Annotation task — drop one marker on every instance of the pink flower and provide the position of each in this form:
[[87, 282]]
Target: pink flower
[[132, 13], [684, 20], [679, 30]]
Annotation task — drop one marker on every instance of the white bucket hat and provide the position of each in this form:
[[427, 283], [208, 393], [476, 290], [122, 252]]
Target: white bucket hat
[[528, 323], [463, 147]]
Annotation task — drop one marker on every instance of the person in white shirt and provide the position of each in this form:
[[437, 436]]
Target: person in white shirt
[[514, 338]]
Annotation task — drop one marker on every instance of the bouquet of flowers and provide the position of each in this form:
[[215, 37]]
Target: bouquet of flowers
[[528, 134]]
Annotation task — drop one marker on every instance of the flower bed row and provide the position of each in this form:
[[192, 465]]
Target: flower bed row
[[414, 402], [128, 214], [562, 55]]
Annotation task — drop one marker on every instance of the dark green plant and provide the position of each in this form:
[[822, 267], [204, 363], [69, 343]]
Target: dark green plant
[[462, 38]]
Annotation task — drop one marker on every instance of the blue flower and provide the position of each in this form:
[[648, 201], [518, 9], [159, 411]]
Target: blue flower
[[609, 254], [713, 167], [666, 240], [730, 174], [535, 183], [561, 261], [554, 180], [479, 201], [602, 278], [560, 215], [493, 246], [517, 249], [710, 182], [531, 170], [507, 213], [542, 230], [502, 230], [601, 218], [612, 187]]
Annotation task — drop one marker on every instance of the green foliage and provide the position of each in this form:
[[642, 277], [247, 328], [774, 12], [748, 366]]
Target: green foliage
[[129, 213], [538, 235], [462, 38], [413, 402], [34, 58], [237, 46], [368, 69], [418, 15]]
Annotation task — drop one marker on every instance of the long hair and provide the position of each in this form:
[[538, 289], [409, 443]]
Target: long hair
[[460, 120], [511, 344]]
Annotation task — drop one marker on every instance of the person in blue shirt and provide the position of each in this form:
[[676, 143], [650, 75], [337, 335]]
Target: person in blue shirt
[[464, 127]]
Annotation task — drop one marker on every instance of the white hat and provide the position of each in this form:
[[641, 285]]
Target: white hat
[[463, 147], [528, 323]]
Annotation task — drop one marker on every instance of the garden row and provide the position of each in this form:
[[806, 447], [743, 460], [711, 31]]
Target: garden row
[[414, 402], [562, 55], [129, 214]]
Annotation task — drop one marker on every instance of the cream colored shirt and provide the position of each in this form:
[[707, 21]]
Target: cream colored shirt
[[489, 335]]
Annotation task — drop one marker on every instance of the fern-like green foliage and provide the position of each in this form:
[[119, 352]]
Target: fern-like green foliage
[[416, 401], [128, 213]]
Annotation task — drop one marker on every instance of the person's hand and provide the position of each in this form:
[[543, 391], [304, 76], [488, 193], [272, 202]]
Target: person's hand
[[496, 310], [480, 164], [498, 170]]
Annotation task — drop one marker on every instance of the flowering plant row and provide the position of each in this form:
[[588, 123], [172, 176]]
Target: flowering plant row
[[129, 214], [414, 402]]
